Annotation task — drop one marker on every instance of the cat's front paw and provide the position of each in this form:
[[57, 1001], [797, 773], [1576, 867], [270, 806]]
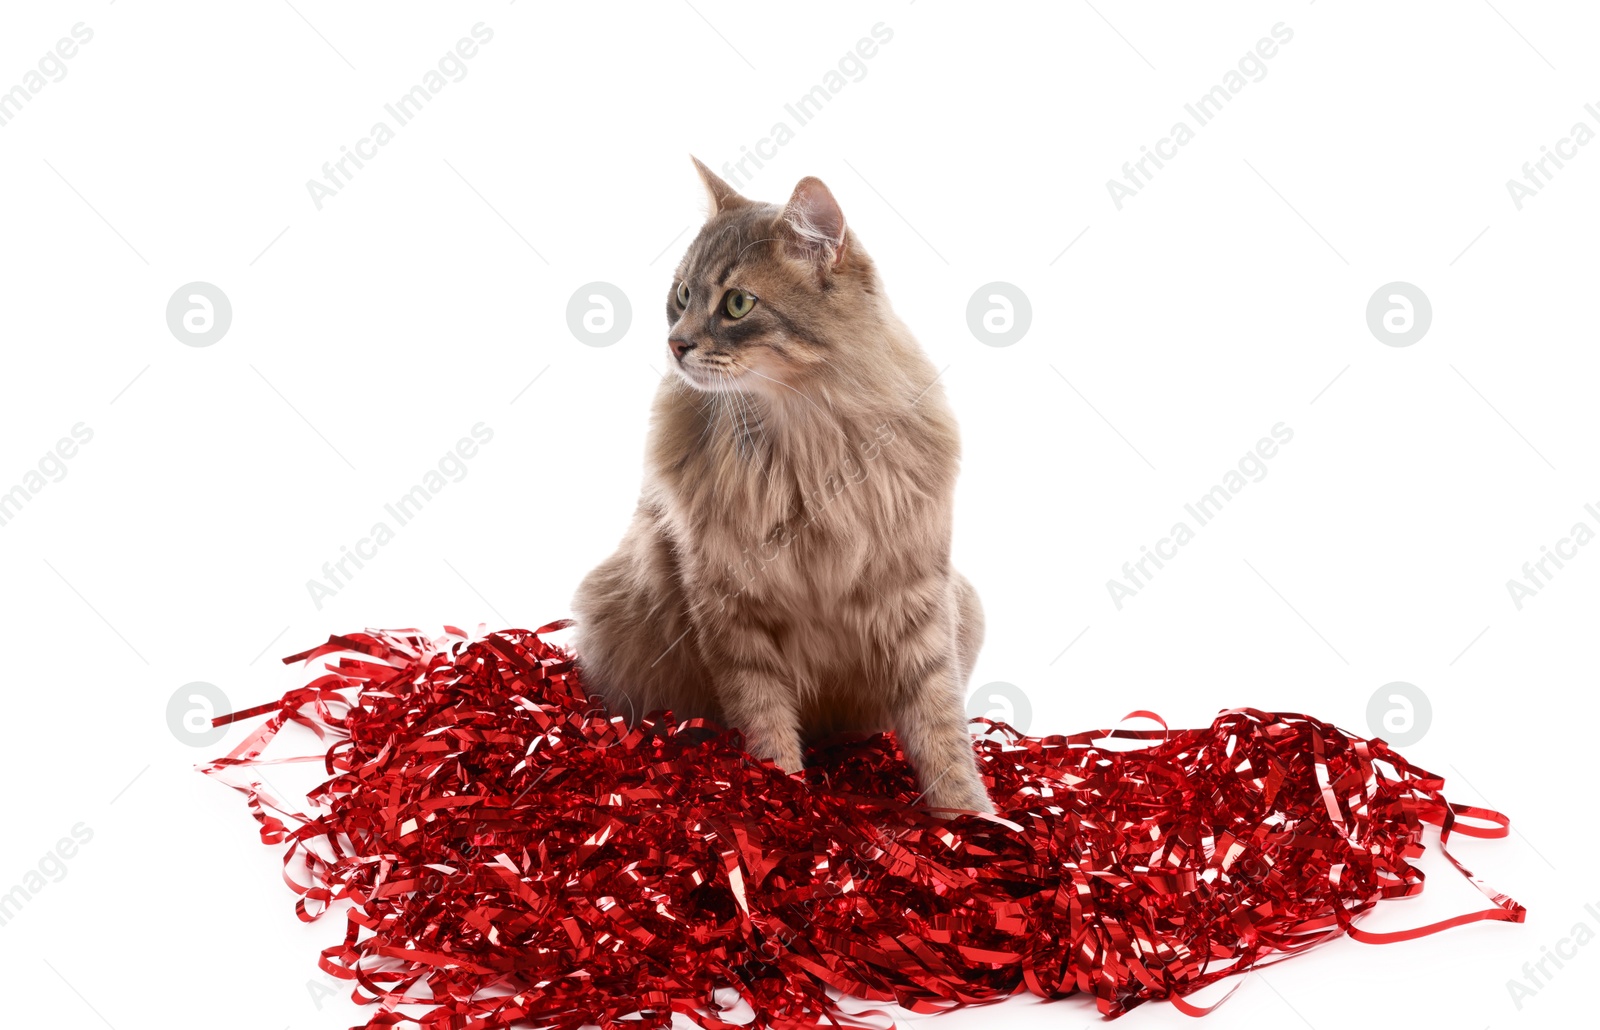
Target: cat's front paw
[[789, 759]]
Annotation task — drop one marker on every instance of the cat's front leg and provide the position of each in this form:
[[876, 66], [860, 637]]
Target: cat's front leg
[[758, 702], [931, 722]]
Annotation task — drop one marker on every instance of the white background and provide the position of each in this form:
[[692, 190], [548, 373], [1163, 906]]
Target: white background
[[368, 336]]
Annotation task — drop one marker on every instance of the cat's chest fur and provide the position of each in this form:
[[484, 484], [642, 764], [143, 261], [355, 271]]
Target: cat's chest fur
[[801, 521]]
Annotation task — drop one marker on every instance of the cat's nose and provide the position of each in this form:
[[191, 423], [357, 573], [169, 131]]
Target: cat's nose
[[680, 347]]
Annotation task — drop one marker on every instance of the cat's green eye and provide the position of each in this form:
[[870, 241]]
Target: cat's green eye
[[739, 303], [683, 295]]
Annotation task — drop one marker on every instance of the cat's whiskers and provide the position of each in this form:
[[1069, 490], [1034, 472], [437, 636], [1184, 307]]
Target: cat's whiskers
[[828, 414], [743, 442], [705, 405], [739, 405], [717, 405]]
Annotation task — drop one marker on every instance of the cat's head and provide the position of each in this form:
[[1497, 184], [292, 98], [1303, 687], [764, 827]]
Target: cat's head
[[769, 298]]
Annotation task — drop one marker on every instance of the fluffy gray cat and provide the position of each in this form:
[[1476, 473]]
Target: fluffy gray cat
[[788, 569]]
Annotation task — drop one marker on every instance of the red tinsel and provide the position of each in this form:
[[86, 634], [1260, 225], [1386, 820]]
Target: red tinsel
[[514, 855]]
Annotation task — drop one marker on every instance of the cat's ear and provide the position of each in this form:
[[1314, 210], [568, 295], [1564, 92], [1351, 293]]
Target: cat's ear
[[719, 195], [814, 224]]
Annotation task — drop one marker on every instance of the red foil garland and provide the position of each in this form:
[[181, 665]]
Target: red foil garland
[[515, 855]]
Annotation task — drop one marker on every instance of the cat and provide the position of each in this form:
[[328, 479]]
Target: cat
[[787, 570]]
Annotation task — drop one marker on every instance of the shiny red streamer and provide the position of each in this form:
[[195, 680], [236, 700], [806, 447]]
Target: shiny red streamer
[[515, 855]]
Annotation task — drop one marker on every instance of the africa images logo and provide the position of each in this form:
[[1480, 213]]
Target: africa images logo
[[1252, 67], [51, 868], [452, 67]]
